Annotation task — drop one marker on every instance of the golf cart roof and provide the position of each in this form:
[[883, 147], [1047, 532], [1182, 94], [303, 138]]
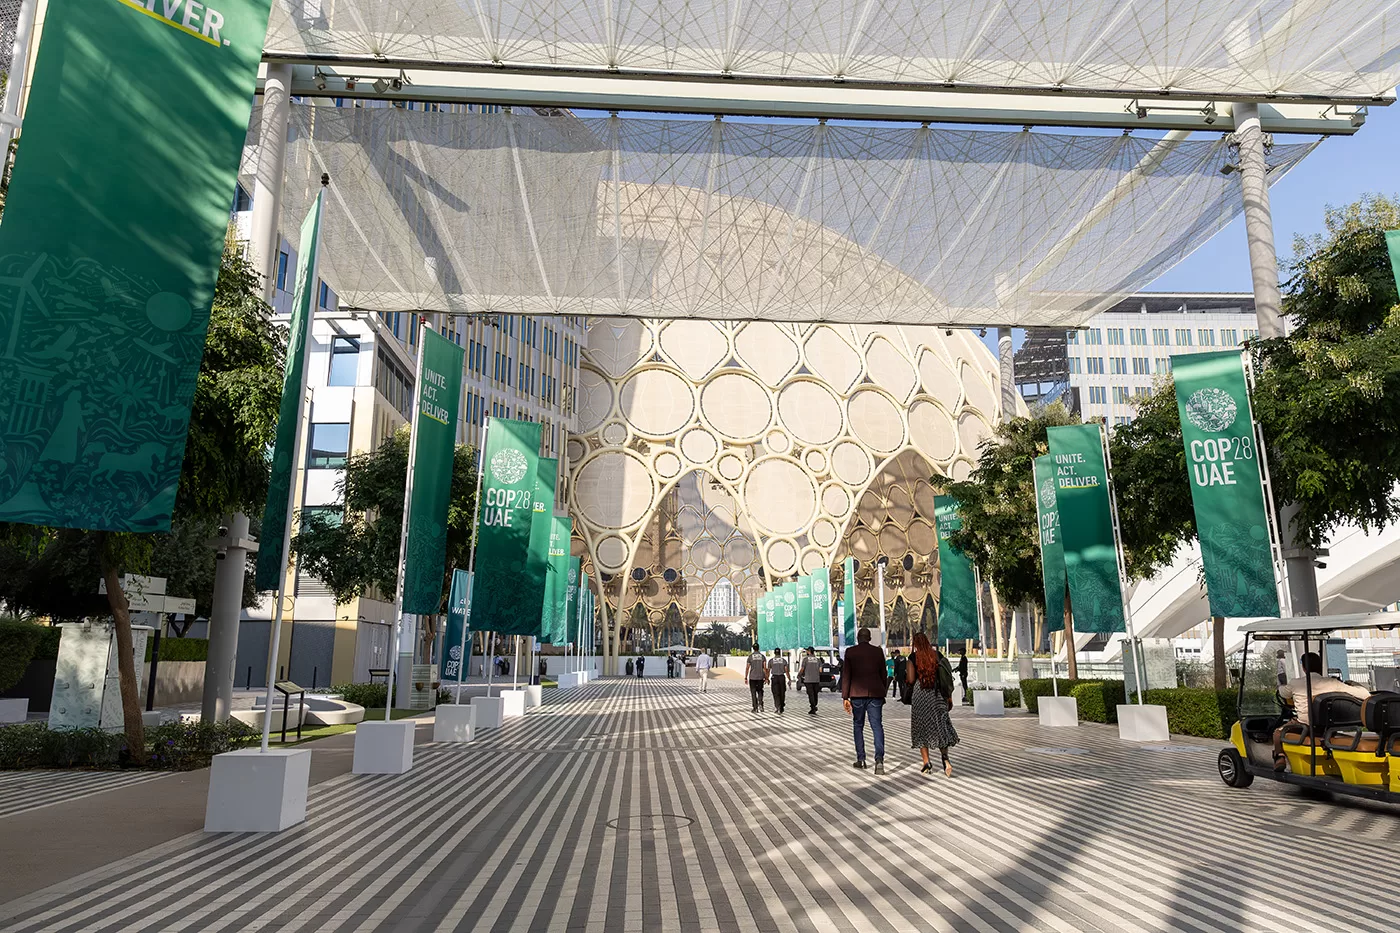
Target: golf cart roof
[[1313, 625]]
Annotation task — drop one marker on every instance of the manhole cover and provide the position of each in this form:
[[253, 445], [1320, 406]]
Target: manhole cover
[[650, 822], [1175, 748], [1059, 751]]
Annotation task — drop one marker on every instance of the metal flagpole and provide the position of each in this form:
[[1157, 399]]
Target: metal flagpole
[[14, 90], [1122, 572], [471, 561], [403, 532], [298, 445], [275, 641], [981, 622]]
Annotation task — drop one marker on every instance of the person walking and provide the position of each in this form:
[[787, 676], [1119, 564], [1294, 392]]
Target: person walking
[[631, 667], [702, 670], [931, 677], [901, 666], [670, 665], [889, 674], [778, 671], [641, 665], [756, 670], [811, 678], [863, 689], [962, 675]]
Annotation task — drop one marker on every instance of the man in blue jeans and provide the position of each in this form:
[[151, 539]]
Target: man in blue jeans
[[863, 688]]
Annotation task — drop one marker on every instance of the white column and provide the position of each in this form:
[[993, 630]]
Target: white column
[[266, 237], [1007, 359], [1268, 308], [220, 673]]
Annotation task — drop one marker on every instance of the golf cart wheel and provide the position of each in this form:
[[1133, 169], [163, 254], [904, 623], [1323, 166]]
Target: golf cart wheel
[[1232, 770]]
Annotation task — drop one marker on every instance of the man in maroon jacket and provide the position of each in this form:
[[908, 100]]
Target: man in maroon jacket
[[863, 688]]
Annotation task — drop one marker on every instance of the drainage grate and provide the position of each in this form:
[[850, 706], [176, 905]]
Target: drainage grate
[[1175, 748], [1058, 751]]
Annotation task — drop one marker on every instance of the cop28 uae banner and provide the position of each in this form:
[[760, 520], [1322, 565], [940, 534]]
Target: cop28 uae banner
[[821, 606], [271, 561], [554, 623], [110, 246], [1227, 485], [572, 616], [957, 584], [455, 645], [509, 473], [763, 627], [803, 632], [530, 586], [1052, 552], [1086, 527], [848, 602], [434, 443]]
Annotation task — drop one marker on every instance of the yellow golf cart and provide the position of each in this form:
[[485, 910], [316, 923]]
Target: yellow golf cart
[[1349, 745]]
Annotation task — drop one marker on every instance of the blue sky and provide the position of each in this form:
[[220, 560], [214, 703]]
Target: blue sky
[[1337, 173]]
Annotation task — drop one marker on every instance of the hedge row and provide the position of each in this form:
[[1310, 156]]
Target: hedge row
[[1197, 711], [1099, 700], [174, 746], [1033, 688], [181, 649]]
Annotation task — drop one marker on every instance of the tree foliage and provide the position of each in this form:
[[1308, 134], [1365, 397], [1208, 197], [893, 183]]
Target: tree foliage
[[997, 503], [358, 554], [1328, 394]]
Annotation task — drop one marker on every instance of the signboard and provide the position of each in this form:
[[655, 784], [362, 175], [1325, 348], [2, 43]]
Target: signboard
[[1086, 527], [957, 587]]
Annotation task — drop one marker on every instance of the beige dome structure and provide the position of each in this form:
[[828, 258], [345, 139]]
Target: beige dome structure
[[756, 451]]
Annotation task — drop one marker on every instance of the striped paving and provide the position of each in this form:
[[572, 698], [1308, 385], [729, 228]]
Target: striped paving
[[644, 806], [23, 791]]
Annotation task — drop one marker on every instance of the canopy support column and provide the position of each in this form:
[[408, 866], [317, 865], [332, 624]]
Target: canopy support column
[[265, 236], [1268, 308], [1007, 359]]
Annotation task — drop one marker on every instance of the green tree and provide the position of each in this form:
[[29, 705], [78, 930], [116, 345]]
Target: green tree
[[357, 553], [999, 531]]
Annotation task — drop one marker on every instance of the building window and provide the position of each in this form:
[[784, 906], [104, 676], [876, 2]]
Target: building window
[[330, 446], [1119, 365], [323, 295], [1072, 336], [1229, 337], [1094, 365], [1115, 336], [1207, 337], [1120, 420], [1140, 392], [1075, 366], [1141, 367], [324, 515], [345, 361], [242, 200], [1183, 336], [1093, 336], [1163, 365], [1139, 336], [1098, 395], [1120, 394], [1161, 337], [1250, 334], [282, 258]]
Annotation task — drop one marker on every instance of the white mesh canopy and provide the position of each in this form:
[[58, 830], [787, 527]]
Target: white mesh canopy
[[526, 213], [1212, 47]]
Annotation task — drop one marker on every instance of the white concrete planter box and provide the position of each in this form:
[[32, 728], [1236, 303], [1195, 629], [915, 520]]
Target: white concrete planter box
[[455, 723], [513, 703], [1059, 712], [150, 718], [1143, 723], [568, 681], [988, 703], [252, 791], [534, 696], [490, 712], [384, 747], [14, 710]]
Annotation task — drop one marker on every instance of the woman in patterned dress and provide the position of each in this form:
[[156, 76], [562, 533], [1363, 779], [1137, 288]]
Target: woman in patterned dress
[[930, 725]]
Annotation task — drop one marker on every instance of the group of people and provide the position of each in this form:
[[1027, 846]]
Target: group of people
[[675, 665], [924, 680], [777, 673], [897, 670]]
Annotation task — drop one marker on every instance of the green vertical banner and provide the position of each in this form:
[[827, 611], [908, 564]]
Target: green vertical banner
[[821, 606], [1086, 527], [767, 633], [1392, 246], [434, 443], [848, 603], [1227, 484], [788, 634], [803, 631], [271, 561], [455, 644], [957, 586], [113, 230], [554, 625], [1052, 552], [530, 587], [571, 601], [503, 528], [583, 624]]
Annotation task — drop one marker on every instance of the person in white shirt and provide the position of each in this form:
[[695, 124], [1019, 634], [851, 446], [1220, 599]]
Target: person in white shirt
[[702, 668], [1295, 693]]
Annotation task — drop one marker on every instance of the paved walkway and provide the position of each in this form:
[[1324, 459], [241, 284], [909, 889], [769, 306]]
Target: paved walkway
[[634, 806]]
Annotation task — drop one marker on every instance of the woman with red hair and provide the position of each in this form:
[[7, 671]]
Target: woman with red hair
[[930, 724]]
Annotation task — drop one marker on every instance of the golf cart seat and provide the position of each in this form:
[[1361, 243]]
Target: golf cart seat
[[1330, 711], [1380, 713]]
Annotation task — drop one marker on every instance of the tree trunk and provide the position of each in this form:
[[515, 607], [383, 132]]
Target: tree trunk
[[1217, 631], [998, 636], [132, 725], [1069, 641]]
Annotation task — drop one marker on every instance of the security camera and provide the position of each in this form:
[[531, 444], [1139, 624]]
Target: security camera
[[223, 531], [220, 554]]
